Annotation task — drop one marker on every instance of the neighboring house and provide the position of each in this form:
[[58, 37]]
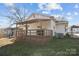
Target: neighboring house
[[2, 32], [6, 32], [10, 32], [75, 31], [40, 23]]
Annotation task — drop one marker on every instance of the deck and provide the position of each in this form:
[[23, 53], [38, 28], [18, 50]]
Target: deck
[[35, 35]]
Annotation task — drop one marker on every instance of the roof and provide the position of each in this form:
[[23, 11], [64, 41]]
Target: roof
[[44, 15], [30, 20], [75, 26], [61, 20]]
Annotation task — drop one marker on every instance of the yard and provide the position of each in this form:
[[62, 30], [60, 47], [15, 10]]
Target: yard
[[5, 41], [54, 47]]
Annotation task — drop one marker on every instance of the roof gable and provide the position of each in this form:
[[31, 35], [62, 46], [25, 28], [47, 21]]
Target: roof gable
[[38, 16]]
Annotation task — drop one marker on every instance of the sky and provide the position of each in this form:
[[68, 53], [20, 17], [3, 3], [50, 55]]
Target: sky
[[70, 11]]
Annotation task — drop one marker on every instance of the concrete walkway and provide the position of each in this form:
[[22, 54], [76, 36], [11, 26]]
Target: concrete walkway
[[5, 41]]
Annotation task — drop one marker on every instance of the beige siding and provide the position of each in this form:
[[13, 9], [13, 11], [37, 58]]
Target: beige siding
[[44, 24], [21, 27]]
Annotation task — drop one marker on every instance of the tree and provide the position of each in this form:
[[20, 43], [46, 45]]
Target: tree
[[16, 14]]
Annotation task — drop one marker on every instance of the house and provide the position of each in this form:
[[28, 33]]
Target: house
[[10, 32], [2, 32], [39, 24], [75, 31], [6, 32]]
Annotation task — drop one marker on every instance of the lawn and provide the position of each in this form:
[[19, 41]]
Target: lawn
[[53, 48]]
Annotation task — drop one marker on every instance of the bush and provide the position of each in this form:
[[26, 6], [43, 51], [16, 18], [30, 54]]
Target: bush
[[67, 35]]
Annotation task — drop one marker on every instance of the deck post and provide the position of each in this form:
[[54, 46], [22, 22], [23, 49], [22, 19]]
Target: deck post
[[51, 32], [30, 34], [16, 31], [26, 29], [46, 33]]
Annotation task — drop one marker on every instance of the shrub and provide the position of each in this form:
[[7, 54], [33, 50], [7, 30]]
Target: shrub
[[67, 35]]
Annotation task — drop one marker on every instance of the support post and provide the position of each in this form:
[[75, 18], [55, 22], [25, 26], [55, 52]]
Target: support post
[[46, 32], [26, 29], [16, 32], [51, 33], [30, 34]]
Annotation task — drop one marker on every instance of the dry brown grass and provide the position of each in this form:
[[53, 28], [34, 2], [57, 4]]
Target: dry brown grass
[[5, 41]]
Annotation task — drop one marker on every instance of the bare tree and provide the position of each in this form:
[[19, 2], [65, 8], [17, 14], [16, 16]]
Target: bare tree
[[16, 14]]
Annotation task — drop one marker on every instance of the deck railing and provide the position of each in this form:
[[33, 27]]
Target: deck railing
[[35, 35], [40, 32], [35, 32]]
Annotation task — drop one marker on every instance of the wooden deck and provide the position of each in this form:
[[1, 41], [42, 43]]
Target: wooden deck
[[35, 35]]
